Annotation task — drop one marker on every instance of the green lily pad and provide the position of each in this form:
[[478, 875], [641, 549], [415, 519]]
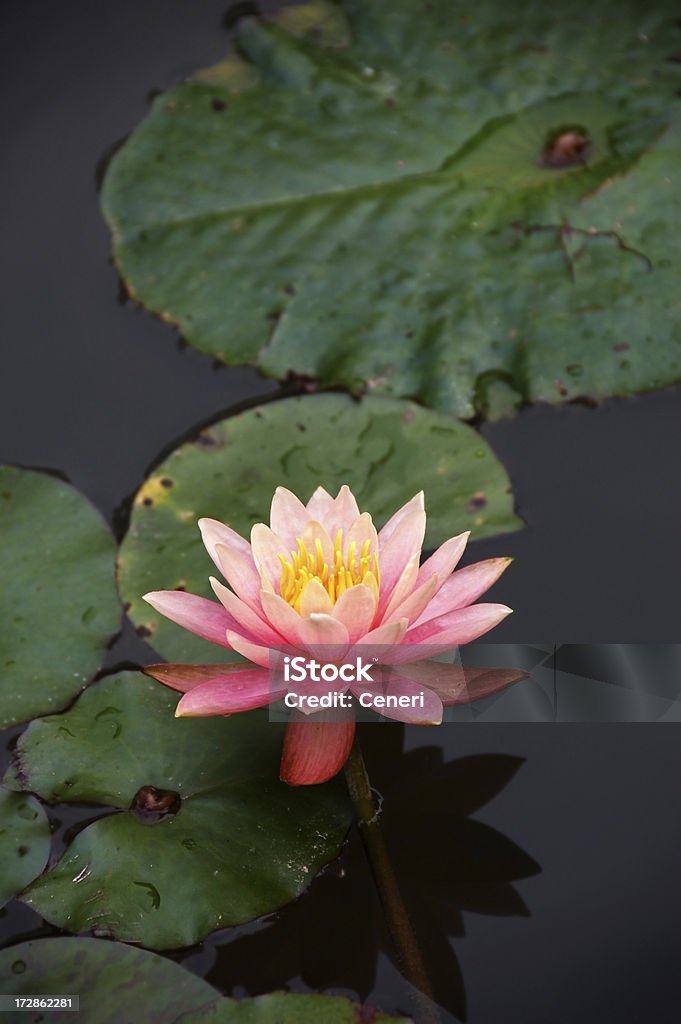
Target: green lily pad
[[58, 601], [386, 196], [385, 449], [287, 1008], [115, 983], [228, 841], [24, 842]]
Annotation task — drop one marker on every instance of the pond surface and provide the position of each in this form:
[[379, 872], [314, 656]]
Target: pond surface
[[97, 389]]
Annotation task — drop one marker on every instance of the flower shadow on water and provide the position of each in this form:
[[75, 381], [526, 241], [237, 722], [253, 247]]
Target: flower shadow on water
[[446, 862]]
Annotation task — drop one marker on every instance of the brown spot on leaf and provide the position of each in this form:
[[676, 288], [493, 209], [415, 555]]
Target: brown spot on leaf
[[621, 346], [478, 501], [567, 148], [166, 482], [143, 631], [217, 104], [150, 802]]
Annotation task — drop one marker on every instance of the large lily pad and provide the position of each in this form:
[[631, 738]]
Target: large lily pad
[[115, 983], [58, 601], [385, 196], [386, 450], [24, 842], [288, 1008], [234, 843]]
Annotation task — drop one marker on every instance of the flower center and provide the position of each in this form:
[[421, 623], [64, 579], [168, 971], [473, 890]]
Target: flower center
[[305, 565]]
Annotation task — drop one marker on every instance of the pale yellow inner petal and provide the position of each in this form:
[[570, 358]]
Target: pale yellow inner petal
[[308, 563]]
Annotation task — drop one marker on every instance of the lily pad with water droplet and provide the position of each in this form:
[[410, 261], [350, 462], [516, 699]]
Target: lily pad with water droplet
[[58, 602], [219, 841], [385, 197], [385, 449], [24, 842], [115, 982]]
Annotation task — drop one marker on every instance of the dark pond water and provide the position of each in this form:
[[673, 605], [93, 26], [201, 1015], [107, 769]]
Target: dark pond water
[[559, 899]]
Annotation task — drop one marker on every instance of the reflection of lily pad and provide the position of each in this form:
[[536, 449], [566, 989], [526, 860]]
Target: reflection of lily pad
[[287, 1008], [115, 983], [58, 602], [24, 842], [386, 450], [228, 843], [377, 195]]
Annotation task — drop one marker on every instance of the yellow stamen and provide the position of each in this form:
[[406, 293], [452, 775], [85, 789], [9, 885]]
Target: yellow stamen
[[305, 565]]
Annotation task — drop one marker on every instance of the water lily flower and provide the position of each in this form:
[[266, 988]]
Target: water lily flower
[[320, 580]]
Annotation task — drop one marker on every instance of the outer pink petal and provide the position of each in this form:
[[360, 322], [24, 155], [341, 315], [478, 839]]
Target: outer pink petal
[[412, 607], [464, 587], [252, 652], [416, 504], [458, 627], [267, 547], [315, 751], [429, 714], [252, 626], [229, 694], [380, 642], [356, 608], [288, 516], [186, 677], [361, 530], [456, 684], [320, 505], [402, 545], [444, 560], [403, 588], [214, 533], [240, 572], [207, 619]]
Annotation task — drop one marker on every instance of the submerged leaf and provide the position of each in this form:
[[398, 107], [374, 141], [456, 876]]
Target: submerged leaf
[[58, 601], [396, 197], [288, 1008], [206, 835]]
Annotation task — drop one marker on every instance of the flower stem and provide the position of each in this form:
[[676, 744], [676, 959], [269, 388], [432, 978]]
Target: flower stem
[[404, 940]]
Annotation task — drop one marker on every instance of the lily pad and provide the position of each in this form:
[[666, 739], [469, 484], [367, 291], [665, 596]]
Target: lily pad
[[24, 842], [58, 602], [387, 196], [288, 1008], [385, 449], [206, 835], [115, 983]]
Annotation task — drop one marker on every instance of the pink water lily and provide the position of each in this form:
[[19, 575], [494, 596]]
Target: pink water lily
[[321, 581]]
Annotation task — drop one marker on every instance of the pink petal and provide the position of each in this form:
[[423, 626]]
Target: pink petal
[[403, 588], [214, 533], [320, 505], [252, 652], [345, 511], [207, 619], [429, 714], [403, 544], [288, 516], [315, 599], [356, 608], [186, 677], [415, 505], [412, 607], [324, 637], [444, 560], [252, 626], [282, 617], [456, 684], [240, 572], [313, 532], [229, 694], [464, 587], [266, 547], [458, 627], [315, 751], [360, 531], [380, 642]]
